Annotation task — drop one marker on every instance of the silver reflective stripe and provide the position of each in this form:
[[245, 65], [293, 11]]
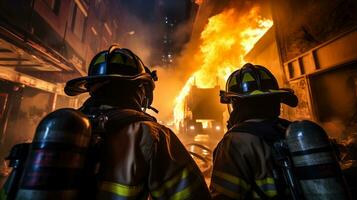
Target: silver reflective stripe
[[314, 159]]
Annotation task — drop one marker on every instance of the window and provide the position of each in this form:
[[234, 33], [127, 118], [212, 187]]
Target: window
[[78, 22], [291, 70], [54, 5]]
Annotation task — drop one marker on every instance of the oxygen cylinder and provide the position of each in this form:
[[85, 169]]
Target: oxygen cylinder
[[315, 162], [57, 156]]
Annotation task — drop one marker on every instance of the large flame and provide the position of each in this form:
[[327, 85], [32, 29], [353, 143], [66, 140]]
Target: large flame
[[226, 39]]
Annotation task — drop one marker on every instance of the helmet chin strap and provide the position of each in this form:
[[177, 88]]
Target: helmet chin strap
[[146, 102], [147, 106], [153, 109]]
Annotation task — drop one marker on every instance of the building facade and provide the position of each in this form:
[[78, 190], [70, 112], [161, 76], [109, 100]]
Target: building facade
[[44, 43], [313, 51], [319, 57]]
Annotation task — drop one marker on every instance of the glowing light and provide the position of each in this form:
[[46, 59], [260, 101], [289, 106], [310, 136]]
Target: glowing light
[[199, 2], [218, 128], [192, 127], [226, 39], [205, 123]]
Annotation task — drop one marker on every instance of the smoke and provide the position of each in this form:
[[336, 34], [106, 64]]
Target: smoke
[[141, 35], [173, 77], [165, 92], [137, 35]]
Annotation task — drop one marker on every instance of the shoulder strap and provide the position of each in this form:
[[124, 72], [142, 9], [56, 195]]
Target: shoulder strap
[[127, 116], [123, 117], [101, 120]]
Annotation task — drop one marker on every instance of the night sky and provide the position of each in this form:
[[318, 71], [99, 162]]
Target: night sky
[[147, 19], [144, 8]]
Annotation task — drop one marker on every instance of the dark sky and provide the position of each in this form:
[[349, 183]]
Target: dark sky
[[147, 19], [147, 10], [142, 9]]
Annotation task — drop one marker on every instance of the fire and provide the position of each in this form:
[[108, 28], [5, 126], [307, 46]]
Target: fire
[[198, 2], [226, 38]]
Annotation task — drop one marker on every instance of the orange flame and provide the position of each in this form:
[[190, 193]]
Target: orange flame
[[226, 39], [198, 2]]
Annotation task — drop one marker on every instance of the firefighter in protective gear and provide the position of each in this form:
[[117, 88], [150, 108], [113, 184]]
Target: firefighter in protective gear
[[139, 157], [243, 167]]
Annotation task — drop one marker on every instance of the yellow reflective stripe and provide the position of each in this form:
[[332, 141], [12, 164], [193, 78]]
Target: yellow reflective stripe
[[255, 92], [226, 192], [232, 179], [100, 59], [168, 184], [264, 75], [271, 193], [3, 195], [185, 193], [276, 91], [248, 77], [265, 181], [119, 189]]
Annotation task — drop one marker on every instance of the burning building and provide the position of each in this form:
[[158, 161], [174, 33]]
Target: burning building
[[312, 53]]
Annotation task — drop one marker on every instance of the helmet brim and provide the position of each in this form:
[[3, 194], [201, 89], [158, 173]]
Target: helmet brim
[[286, 96], [80, 85]]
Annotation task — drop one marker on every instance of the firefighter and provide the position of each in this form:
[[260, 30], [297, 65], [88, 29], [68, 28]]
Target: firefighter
[[243, 167], [138, 157]]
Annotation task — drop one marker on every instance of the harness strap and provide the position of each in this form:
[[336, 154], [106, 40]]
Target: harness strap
[[117, 118], [102, 121]]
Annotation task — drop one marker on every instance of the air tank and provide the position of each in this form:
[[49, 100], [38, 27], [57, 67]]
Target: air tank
[[315, 162], [57, 156]]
